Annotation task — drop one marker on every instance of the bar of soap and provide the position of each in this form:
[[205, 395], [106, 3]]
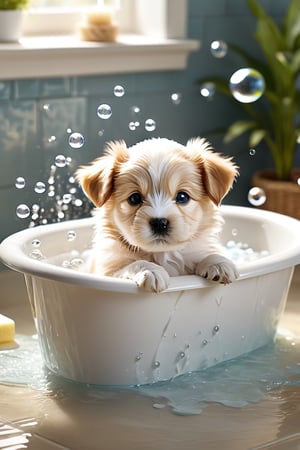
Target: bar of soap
[[99, 18], [99, 33], [7, 331]]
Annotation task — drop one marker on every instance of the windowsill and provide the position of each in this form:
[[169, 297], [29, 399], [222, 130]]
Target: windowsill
[[55, 56]]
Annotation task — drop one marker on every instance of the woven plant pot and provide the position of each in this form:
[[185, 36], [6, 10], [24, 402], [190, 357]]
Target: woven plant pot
[[282, 196]]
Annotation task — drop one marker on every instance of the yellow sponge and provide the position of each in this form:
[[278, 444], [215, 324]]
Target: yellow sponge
[[7, 332]]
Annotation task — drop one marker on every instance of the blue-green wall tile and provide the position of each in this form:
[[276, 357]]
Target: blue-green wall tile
[[5, 90]]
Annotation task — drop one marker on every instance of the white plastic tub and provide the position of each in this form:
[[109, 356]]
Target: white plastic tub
[[104, 330]]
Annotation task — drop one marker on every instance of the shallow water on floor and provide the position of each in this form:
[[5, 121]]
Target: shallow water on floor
[[235, 383]]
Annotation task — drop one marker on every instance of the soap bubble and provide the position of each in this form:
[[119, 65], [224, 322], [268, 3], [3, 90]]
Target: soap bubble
[[71, 235], [207, 90], [132, 126], [20, 183], [247, 85], [60, 161], [104, 111], [76, 140], [218, 49], [51, 139], [135, 110], [36, 243], [176, 98], [257, 196], [22, 211], [252, 151], [150, 125], [39, 187], [119, 91]]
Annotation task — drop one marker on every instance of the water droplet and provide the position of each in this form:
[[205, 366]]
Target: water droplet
[[22, 211], [71, 235], [135, 109], [216, 329], [204, 342], [37, 254], [36, 243], [67, 198], [132, 126], [138, 358], [51, 139], [158, 405], [119, 91], [181, 355], [218, 49], [76, 140], [39, 187], [234, 231], [20, 183], [150, 125], [60, 161], [104, 111], [247, 85], [176, 98], [257, 196], [156, 364], [252, 151], [208, 90]]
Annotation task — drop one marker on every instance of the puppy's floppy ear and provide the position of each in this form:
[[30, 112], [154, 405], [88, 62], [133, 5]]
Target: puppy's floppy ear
[[97, 179], [218, 172]]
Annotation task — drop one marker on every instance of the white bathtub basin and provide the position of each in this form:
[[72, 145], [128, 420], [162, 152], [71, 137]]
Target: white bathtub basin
[[104, 330]]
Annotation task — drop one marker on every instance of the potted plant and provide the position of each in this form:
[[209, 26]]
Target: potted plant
[[11, 13], [274, 119]]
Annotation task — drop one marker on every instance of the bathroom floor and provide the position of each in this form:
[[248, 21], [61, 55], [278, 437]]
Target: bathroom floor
[[38, 420]]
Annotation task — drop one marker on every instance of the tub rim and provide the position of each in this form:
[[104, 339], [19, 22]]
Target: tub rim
[[13, 256]]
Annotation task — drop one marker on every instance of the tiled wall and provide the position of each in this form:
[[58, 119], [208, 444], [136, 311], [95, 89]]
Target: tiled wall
[[36, 114]]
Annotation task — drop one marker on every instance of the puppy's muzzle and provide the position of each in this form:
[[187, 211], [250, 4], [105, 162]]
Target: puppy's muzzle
[[159, 226]]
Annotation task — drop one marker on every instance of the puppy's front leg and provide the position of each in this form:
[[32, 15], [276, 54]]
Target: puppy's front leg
[[217, 268], [146, 275]]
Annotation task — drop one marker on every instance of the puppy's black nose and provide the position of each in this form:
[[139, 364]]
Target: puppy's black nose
[[159, 225]]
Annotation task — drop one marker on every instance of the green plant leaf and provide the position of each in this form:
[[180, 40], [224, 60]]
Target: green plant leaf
[[237, 129], [256, 137], [291, 25]]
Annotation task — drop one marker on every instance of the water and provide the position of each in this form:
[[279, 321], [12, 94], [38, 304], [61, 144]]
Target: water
[[247, 85], [249, 379]]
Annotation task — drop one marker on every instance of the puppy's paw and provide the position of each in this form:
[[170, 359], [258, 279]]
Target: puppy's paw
[[146, 275], [217, 268]]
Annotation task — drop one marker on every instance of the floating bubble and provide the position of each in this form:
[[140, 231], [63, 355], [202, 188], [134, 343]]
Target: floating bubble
[[150, 125], [67, 198], [78, 202], [298, 181], [39, 187], [104, 111], [20, 183], [76, 140], [257, 196], [36, 243], [207, 90], [176, 98], [22, 211], [60, 161], [132, 126], [69, 130], [71, 235], [247, 85], [37, 254], [218, 49], [100, 133], [135, 109], [46, 107], [51, 139], [252, 151], [119, 91]]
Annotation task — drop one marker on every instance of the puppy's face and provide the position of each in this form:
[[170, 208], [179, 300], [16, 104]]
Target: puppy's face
[[158, 194]]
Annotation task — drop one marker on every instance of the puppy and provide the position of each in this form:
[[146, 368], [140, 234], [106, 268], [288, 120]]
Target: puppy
[[157, 211]]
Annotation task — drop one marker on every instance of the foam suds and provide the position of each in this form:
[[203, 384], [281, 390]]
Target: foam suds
[[235, 383]]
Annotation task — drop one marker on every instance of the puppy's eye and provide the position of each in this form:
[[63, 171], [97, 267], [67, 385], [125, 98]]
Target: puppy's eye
[[135, 199], [182, 197]]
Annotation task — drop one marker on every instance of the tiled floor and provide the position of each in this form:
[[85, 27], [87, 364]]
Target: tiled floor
[[36, 420]]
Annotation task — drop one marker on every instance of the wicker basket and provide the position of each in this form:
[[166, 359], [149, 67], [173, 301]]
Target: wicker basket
[[282, 196]]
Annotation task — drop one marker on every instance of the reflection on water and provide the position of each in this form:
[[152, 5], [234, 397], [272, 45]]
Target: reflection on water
[[235, 383]]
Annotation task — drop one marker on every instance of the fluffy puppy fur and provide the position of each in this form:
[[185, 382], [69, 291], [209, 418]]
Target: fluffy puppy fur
[[157, 211]]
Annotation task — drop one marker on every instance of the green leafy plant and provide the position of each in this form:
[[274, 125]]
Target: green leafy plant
[[274, 118], [13, 4]]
